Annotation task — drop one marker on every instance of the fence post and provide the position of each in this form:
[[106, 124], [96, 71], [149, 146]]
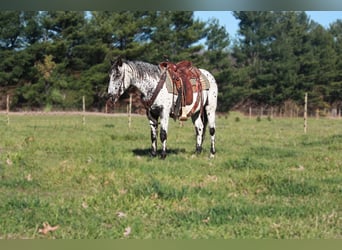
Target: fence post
[[305, 112], [7, 109], [130, 111], [83, 107]]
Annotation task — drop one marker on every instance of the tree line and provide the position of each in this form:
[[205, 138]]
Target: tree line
[[53, 58]]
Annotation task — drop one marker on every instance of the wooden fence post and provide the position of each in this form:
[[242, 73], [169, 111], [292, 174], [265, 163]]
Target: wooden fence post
[[83, 107], [305, 112], [130, 111], [7, 109]]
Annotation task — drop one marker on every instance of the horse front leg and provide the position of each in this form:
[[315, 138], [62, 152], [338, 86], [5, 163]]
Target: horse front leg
[[163, 134], [153, 117], [154, 134]]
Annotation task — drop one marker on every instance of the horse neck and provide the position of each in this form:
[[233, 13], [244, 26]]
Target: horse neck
[[145, 82]]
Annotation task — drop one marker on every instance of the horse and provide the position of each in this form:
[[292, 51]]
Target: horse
[[147, 78]]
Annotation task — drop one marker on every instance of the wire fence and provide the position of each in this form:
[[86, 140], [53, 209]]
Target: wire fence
[[125, 107], [292, 113], [291, 110]]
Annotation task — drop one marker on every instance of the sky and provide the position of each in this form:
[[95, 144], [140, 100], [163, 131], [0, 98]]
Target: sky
[[227, 19]]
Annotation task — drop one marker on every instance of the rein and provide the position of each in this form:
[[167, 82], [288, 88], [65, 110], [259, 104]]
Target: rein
[[160, 84]]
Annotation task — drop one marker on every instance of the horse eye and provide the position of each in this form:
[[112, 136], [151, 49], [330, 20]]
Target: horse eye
[[117, 74]]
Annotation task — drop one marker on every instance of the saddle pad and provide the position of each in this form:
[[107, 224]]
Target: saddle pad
[[169, 85], [205, 82]]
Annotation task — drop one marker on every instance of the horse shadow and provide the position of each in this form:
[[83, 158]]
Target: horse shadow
[[147, 151]]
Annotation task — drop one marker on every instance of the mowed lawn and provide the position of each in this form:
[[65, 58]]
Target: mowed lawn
[[97, 180]]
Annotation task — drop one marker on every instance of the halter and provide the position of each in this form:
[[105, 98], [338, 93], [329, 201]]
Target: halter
[[121, 87]]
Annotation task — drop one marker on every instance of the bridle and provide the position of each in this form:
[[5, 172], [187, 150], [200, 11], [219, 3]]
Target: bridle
[[121, 89]]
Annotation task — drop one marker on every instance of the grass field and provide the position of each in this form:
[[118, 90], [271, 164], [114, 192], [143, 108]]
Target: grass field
[[268, 179]]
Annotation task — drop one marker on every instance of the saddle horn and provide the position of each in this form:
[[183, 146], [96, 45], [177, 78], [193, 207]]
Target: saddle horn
[[166, 58]]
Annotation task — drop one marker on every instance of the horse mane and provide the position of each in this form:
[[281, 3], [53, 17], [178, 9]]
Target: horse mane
[[141, 69]]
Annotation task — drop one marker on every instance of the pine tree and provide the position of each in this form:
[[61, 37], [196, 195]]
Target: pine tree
[[11, 30], [217, 60], [335, 88], [175, 34]]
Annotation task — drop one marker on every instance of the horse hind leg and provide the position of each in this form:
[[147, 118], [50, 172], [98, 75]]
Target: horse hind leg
[[212, 147], [212, 130], [153, 118], [199, 127]]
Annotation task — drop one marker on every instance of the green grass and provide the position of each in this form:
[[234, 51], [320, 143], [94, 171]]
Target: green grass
[[268, 179]]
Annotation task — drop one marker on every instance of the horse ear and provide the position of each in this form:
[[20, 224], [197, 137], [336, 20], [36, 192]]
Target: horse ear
[[119, 61], [116, 62]]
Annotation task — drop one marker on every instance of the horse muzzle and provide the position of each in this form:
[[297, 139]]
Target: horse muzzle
[[112, 98]]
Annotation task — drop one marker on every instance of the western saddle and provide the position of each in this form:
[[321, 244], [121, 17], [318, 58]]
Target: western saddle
[[183, 74]]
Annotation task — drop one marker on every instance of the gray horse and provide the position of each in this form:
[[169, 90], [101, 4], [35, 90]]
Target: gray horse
[[160, 103]]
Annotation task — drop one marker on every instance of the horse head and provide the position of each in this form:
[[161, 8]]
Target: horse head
[[116, 80]]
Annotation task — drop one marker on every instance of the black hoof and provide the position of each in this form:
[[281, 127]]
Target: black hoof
[[163, 155], [153, 153]]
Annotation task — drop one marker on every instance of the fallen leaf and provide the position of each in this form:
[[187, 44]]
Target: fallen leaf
[[122, 191], [127, 231], [9, 162], [299, 168], [154, 196], [47, 228], [29, 177], [332, 215], [89, 160], [233, 195], [212, 178], [276, 226], [92, 177], [85, 205], [206, 220], [29, 139], [121, 214]]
